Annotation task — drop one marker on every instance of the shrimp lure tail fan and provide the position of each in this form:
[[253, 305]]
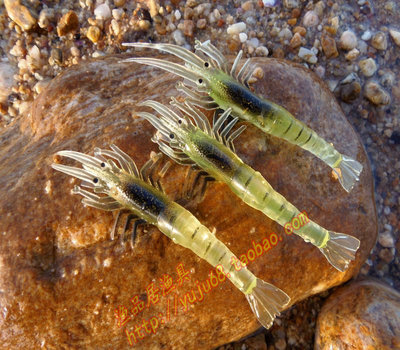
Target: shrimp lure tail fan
[[267, 301], [340, 250], [348, 172]]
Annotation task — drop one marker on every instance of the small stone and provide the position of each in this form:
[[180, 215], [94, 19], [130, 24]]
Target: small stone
[[41, 85], [93, 34], [368, 67], [386, 240], [348, 40], [254, 42], [262, 51], [376, 94], [119, 3], [387, 255], [319, 8], [117, 14], [310, 19], [144, 24], [75, 51], [177, 15], [285, 34], [69, 23], [296, 41], [56, 55], [350, 92], [395, 36], [153, 7], [45, 17], [178, 37], [236, 28], [201, 23], [19, 14], [280, 344], [242, 37], [334, 23], [301, 30], [291, 4], [352, 55], [102, 12], [379, 41], [361, 315], [307, 55], [6, 80], [115, 26], [320, 71], [188, 26], [329, 46], [367, 35], [248, 6]]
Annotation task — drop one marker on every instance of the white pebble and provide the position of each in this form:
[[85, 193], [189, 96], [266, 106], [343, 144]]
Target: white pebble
[[117, 14], [285, 34], [366, 35], [386, 240], [236, 28], [368, 67], [348, 40], [310, 19], [395, 36], [242, 37], [102, 12], [34, 52], [253, 42], [307, 55], [177, 15], [178, 37], [115, 26], [270, 3], [6, 80], [262, 51]]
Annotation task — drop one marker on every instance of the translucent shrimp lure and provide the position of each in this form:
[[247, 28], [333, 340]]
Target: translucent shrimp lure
[[188, 138], [213, 85], [124, 187]]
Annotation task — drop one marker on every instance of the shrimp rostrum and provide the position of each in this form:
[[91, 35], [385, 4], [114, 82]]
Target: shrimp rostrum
[[114, 175], [187, 137], [209, 84]]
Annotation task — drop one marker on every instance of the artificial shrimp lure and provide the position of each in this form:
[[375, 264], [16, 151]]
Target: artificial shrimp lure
[[114, 174], [214, 86], [188, 137]]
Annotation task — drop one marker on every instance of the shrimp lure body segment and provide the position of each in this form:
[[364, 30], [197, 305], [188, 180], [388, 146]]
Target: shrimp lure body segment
[[188, 137], [124, 187], [209, 84]]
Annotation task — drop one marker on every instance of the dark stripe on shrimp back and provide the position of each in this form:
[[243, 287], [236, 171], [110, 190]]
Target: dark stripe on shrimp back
[[145, 199], [248, 101], [216, 155]]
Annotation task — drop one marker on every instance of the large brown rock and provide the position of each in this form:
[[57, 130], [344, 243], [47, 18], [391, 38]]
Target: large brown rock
[[362, 315], [62, 278]]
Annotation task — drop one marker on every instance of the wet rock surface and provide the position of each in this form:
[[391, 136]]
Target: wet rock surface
[[64, 281], [361, 315]]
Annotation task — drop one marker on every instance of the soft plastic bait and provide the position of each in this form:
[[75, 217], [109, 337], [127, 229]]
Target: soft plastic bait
[[214, 86], [124, 187], [193, 140]]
